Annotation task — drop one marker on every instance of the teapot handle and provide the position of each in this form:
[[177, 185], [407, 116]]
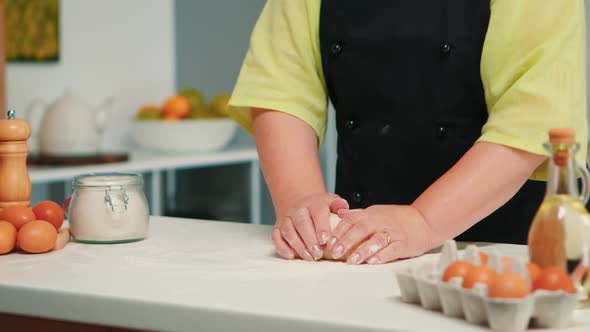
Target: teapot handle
[[102, 114]]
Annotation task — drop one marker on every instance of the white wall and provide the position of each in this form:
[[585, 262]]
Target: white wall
[[114, 48]]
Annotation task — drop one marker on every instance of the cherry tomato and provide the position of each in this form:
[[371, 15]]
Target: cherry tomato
[[51, 212], [553, 279], [457, 269], [17, 215]]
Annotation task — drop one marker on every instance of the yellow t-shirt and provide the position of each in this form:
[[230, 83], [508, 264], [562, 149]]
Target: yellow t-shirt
[[533, 69]]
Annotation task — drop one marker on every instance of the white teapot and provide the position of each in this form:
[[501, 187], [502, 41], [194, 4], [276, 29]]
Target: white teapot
[[67, 127]]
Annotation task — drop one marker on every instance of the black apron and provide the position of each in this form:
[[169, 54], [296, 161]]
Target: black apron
[[404, 78]]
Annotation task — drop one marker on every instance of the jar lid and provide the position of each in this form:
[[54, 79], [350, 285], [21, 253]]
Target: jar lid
[[108, 179]]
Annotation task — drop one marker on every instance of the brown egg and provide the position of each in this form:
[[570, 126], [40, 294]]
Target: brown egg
[[509, 285], [7, 237], [17, 215], [37, 237]]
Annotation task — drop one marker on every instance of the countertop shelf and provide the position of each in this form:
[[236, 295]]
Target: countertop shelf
[[159, 165], [145, 161]]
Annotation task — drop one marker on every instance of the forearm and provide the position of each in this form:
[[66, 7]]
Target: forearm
[[483, 180], [288, 152]]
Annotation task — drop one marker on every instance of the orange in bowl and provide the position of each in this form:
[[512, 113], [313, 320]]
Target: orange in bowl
[[178, 106]]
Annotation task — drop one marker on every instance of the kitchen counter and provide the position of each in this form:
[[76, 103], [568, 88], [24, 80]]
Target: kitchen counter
[[193, 275]]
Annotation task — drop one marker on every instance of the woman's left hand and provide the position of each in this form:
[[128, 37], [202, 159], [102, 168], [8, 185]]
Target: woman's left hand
[[382, 233]]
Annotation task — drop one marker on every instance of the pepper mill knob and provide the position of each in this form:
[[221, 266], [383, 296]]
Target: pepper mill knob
[[15, 184]]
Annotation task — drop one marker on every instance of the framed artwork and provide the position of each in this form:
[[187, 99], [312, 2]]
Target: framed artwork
[[32, 30]]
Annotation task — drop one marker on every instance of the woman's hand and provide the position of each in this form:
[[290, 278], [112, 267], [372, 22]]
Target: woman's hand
[[381, 234], [305, 227]]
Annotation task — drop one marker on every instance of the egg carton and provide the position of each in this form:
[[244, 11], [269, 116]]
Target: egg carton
[[422, 284]]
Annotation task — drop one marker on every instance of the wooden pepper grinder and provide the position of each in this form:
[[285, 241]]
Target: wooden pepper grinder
[[15, 184]]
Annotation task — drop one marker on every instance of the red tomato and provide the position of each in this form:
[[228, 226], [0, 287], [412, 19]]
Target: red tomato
[[457, 269], [509, 285], [482, 274], [17, 215], [51, 212], [66, 203], [554, 278]]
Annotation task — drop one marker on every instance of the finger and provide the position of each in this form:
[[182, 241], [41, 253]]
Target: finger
[[344, 212], [339, 204], [392, 252], [376, 243], [305, 227], [320, 215], [281, 246], [343, 226], [357, 233], [290, 235]]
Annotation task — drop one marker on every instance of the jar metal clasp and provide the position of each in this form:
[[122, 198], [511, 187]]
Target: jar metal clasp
[[117, 205]]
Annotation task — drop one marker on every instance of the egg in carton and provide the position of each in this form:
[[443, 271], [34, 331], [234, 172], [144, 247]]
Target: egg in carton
[[423, 285]]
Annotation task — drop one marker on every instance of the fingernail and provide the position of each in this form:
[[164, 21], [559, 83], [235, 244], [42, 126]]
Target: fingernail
[[317, 252], [332, 241], [323, 238], [307, 256], [338, 251], [355, 258], [374, 260]]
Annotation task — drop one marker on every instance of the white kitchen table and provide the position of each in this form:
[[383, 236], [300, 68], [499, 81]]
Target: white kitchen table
[[194, 275]]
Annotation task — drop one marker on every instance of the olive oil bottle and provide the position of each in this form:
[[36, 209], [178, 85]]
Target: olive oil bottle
[[560, 233]]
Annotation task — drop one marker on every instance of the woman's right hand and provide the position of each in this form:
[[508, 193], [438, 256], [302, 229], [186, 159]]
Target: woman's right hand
[[305, 228]]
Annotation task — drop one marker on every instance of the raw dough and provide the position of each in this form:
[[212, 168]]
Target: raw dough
[[334, 221]]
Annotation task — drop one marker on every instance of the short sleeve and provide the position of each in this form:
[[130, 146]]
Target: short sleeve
[[533, 70], [282, 68]]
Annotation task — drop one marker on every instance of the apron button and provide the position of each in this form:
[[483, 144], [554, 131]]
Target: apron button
[[385, 130], [336, 48], [350, 124], [441, 131], [357, 197], [445, 49]]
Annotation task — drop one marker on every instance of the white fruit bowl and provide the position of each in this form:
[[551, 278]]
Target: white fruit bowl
[[185, 135]]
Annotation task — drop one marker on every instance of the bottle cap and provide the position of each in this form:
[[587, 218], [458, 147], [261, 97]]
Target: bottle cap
[[562, 136]]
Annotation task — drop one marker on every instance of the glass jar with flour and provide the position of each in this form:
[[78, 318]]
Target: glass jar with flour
[[108, 208]]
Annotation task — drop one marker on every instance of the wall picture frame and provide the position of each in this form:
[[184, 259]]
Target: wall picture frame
[[32, 30]]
